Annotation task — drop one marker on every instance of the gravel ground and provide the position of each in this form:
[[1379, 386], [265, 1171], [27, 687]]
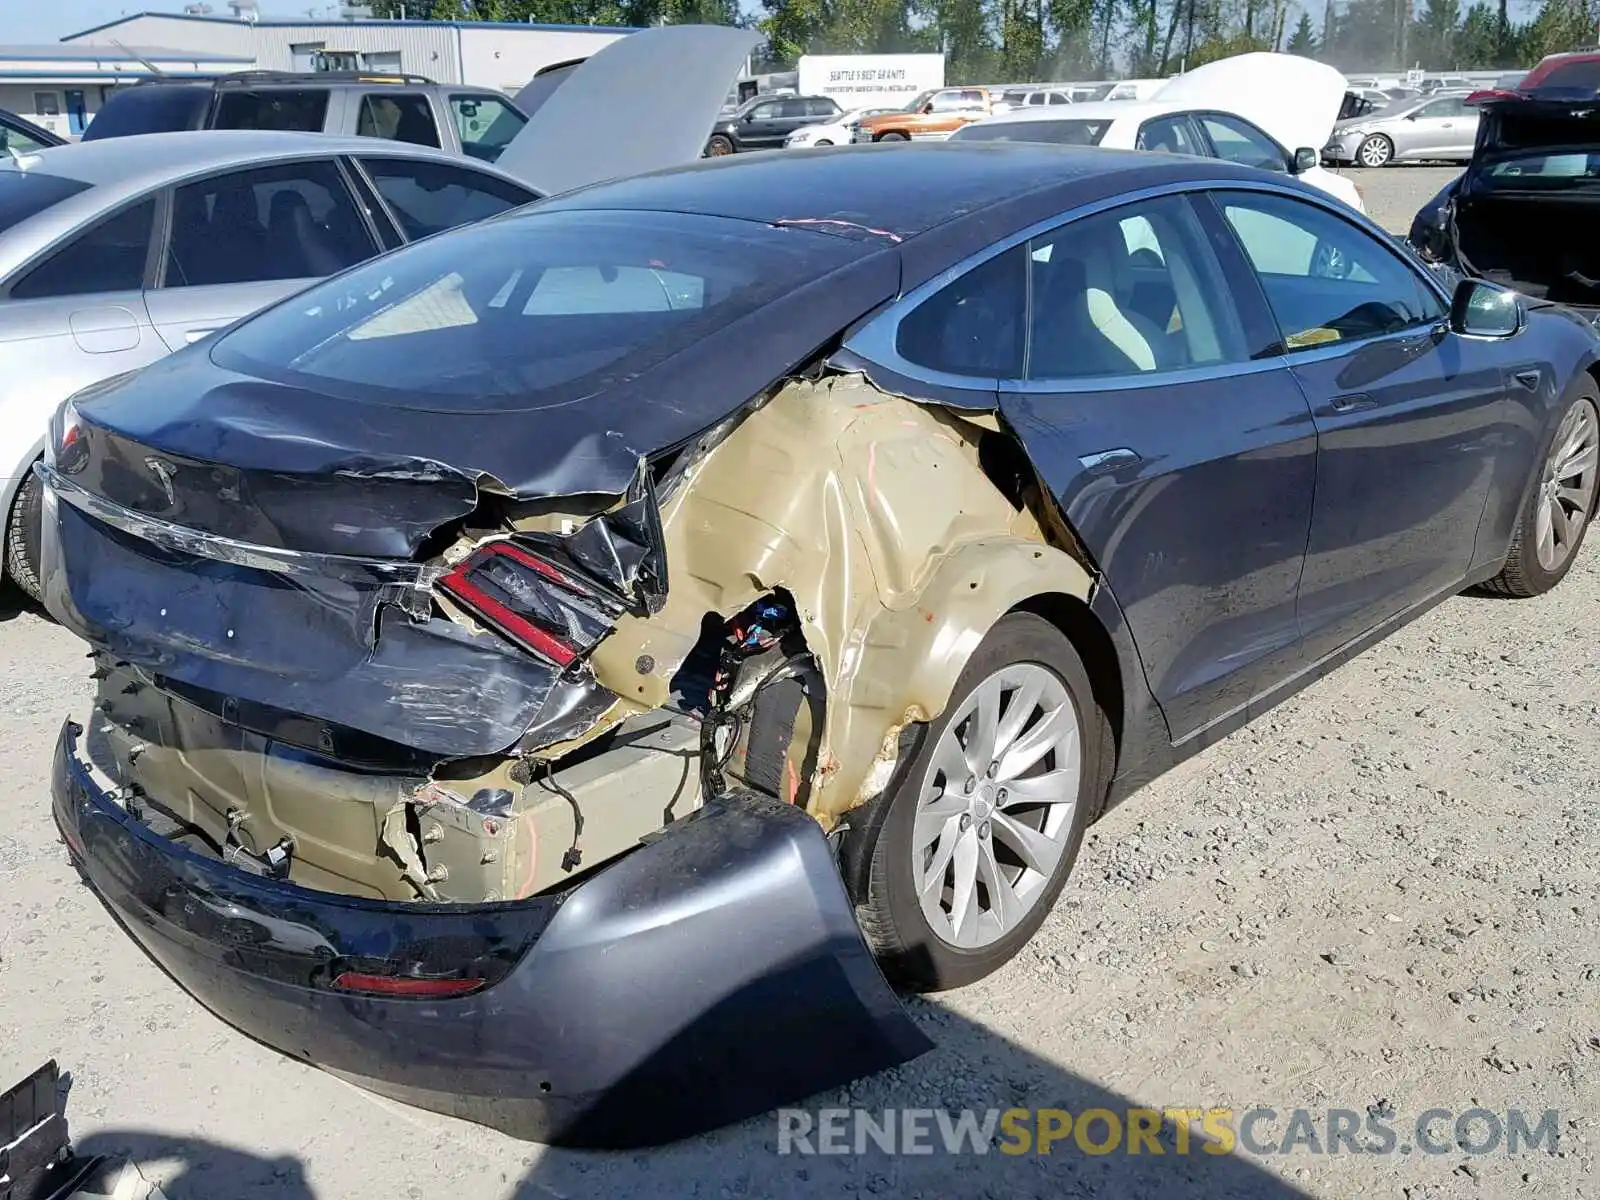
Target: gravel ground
[[1383, 896]]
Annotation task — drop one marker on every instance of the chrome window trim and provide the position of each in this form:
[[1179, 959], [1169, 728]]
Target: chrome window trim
[[876, 340]]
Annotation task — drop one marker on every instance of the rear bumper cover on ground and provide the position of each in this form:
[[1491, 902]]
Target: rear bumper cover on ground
[[714, 973]]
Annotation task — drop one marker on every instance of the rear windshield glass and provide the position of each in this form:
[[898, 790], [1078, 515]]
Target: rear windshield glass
[[527, 311], [154, 109], [1547, 169], [26, 193], [1064, 133]]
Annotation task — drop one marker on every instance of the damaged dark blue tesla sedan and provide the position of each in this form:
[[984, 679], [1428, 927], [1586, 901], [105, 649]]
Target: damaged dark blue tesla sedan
[[562, 673]]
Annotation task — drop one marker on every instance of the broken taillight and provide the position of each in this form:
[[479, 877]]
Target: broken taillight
[[541, 607], [408, 986]]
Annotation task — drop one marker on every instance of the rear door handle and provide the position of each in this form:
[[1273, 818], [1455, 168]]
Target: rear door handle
[[1352, 401]]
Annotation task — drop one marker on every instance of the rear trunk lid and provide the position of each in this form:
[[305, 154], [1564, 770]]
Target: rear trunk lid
[[1524, 213]]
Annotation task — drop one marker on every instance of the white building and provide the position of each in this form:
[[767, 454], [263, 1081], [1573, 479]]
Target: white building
[[61, 87], [501, 55]]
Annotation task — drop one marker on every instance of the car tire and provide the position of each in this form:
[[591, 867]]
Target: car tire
[[894, 137], [822, 142], [1023, 660], [718, 146], [1560, 503], [1375, 151], [22, 536]]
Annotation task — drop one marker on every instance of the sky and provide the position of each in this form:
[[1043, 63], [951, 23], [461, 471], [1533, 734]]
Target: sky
[[32, 22]]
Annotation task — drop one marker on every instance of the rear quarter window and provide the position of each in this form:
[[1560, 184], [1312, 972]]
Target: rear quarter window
[[149, 109], [25, 194]]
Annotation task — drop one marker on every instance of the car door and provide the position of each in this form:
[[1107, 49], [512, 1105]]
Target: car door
[[72, 317], [422, 197], [1175, 133], [1460, 130], [1431, 129], [240, 240], [1235, 140], [1184, 462], [1405, 410], [484, 123], [762, 126], [398, 116]]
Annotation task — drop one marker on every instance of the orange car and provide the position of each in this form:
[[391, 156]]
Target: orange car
[[935, 114]]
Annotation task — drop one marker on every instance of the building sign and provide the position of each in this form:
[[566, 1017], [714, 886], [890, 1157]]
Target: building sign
[[870, 80]]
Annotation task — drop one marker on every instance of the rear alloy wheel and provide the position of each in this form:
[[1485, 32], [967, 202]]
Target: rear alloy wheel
[[1560, 506], [980, 829], [1376, 151], [718, 146], [22, 536], [895, 137]]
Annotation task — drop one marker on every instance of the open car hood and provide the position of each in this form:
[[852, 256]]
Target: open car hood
[[619, 113], [1294, 99]]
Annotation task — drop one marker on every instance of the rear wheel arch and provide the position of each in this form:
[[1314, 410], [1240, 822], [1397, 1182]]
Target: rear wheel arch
[[923, 650], [1090, 638]]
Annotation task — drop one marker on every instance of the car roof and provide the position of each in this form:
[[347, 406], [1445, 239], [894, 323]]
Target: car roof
[[117, 169], [971, 193], [1096, 110], [145, 160]]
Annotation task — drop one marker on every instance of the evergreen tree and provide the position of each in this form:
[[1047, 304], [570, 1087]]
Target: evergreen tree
[[1303, 40]]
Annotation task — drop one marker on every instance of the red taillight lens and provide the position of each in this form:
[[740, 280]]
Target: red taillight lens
[[535, 603], [408, 986]]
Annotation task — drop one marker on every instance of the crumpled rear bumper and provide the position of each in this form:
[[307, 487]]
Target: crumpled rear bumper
[[712, 974]]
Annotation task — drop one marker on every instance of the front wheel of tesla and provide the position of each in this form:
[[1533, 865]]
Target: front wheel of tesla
[[977, 834], [1376, 151], [22, 537], [1560, 505]]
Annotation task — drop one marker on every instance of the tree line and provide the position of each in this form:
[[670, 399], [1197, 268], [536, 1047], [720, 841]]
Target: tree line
[[993, 41]]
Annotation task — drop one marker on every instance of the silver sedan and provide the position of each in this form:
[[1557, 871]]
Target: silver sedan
[[1440, 126], [115, 253]]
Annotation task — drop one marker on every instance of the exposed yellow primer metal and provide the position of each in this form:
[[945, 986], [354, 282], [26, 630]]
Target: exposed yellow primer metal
[[871, 510]]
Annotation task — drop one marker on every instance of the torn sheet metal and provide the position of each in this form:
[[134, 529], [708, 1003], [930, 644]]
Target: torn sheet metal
[[874, 513], [277, 650]]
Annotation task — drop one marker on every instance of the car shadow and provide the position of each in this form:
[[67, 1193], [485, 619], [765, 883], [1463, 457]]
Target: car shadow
[[14, 602], [971, 1068], [198, 1169]]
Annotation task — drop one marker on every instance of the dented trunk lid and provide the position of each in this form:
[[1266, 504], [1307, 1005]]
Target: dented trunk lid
[[267, 536]]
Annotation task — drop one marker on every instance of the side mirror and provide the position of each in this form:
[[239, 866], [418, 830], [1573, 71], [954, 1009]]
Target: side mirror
[[927, 108], [1486, 310], [1305, 158]]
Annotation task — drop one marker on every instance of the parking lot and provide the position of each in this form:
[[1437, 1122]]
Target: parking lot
[[1380, 898]]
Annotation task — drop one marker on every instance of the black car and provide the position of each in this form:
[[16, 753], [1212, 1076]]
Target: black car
[[559, 672], [763, 123], [21, 136], [1522, 214]]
